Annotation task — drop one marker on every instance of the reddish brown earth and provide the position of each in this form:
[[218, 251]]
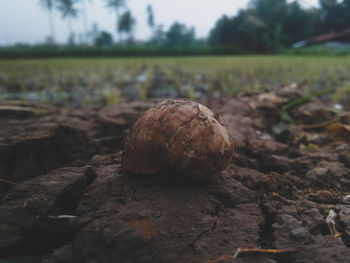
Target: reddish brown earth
[[276, 193]]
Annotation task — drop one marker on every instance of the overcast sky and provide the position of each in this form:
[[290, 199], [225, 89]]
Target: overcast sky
[[26, 21]]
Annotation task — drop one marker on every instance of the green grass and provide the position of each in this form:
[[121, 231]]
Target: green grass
[[87, 81], [58, 51]]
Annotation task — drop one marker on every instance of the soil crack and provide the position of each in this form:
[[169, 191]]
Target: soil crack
[[266, 231], [200, 235], [68, 200], [192, 243]]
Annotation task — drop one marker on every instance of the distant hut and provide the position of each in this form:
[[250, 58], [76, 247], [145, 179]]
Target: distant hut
[[338, 40]]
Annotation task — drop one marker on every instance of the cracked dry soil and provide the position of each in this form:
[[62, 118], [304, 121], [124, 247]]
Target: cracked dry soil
[[64, 199]]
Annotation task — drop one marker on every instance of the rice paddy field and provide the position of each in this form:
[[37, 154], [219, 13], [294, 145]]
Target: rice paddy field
[[65, 195], [87, 82]]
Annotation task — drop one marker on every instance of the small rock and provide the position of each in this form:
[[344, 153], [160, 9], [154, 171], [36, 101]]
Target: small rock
[[300, 234], [323, 196], [344, 214]]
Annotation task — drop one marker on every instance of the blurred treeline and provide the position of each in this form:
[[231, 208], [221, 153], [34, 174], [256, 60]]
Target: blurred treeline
[[264, 26], [268, 25]]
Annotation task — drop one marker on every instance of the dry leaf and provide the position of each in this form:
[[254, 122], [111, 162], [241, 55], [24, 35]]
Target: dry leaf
[[270, 97], [338, 132]]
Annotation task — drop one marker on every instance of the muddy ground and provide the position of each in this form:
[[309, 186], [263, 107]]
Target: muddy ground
[[64, 199]]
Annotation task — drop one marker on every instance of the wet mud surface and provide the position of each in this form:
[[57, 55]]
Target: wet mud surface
[[63, 197]]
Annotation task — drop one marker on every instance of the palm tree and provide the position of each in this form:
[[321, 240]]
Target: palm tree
[[49, 6], [85, 18], [68, 10], [126, 24], [150, 17], [115, 5]]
